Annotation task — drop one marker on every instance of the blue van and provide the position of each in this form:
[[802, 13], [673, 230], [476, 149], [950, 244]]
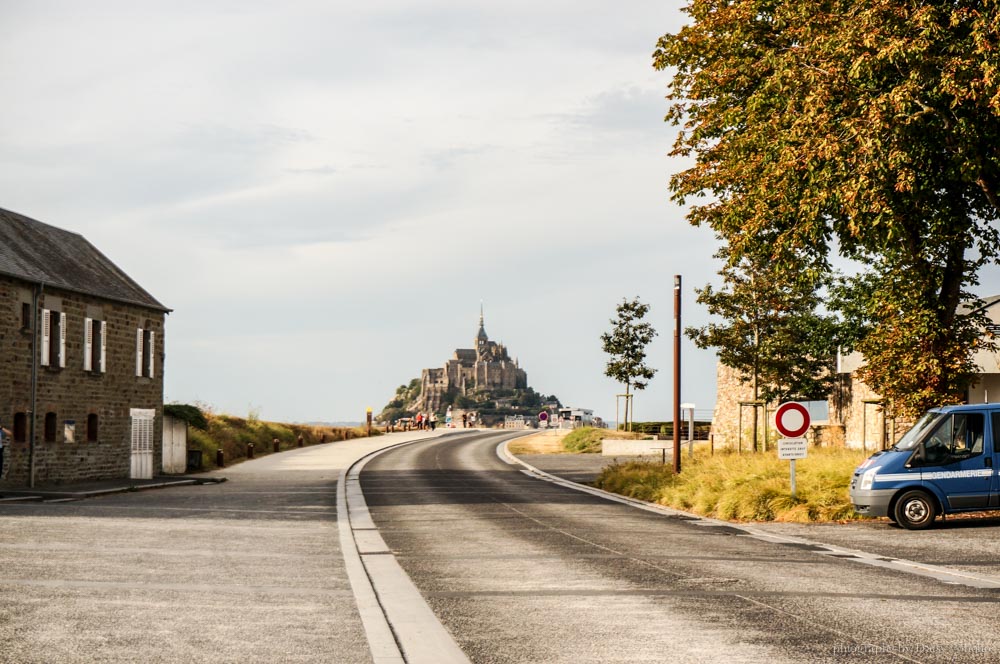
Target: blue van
[[946, 463]]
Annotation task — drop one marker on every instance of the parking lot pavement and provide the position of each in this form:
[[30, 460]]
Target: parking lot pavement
[[248, 570], [965, 543]]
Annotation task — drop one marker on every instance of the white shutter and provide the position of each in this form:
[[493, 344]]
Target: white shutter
[[62, 340], [46, 332], [104, 345], [152, 353], [138, 352], [88, 344]]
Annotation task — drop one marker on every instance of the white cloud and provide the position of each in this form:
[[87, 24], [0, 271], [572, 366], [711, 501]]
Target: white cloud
[[324, 191]]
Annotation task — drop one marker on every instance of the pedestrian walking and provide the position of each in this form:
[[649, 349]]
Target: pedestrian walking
[[465, 420], [420, 421], [434, 421]]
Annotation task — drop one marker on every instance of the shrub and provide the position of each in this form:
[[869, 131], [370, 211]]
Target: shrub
[[746, 487], [187, 413], [233, 434]]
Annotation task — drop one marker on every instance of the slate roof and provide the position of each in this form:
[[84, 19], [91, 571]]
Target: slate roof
[[42, 254]]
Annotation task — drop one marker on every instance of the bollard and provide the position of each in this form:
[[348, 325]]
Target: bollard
[[249, 450], [275, 445], [301, 441], [219, 458]]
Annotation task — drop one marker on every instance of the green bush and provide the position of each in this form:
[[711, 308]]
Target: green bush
[[585, 439], [187, 413]]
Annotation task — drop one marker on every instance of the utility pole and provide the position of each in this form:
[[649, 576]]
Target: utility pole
[[677, 374]]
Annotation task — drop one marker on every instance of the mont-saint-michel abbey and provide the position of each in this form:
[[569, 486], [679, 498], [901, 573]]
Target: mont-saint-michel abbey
[[485, 368]]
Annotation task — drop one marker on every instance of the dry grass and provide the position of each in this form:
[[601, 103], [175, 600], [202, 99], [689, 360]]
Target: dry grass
[[545, 442], [233, 435], [587, 440], [747, 487]]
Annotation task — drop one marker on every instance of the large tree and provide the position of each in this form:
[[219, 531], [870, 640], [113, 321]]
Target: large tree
[[626, 344], [866, 127]]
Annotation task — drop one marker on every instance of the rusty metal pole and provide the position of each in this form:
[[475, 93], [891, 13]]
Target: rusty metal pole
[[677, 373]]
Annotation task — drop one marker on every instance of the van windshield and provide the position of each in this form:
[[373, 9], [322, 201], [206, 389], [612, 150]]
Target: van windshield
[[926, 421]]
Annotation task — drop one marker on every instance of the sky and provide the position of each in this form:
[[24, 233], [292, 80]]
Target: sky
[[325, 192]]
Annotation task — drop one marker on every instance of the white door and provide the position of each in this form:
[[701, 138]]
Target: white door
[[142, 443]]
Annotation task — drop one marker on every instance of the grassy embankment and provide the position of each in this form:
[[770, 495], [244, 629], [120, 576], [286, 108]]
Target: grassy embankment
[[210, 432], [738, 487], [565, 441]]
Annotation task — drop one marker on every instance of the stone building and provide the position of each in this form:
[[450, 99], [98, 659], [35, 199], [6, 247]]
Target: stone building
[[855, 415], [81, 367], [485, 368]]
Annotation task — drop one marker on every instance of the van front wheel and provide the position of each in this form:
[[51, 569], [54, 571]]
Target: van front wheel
[[915, 510]]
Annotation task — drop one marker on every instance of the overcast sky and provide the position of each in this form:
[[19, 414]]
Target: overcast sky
[[323, 192]]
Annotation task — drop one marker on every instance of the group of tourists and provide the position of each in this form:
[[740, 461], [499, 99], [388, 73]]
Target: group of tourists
[[426, 421], [429, 421]]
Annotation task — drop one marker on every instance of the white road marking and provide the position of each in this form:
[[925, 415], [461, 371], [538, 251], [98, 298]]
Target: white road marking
[[399, 624], [943, 574]]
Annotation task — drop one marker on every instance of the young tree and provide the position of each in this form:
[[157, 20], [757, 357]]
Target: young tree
[[871, 126], [771, 331], [626, 344]]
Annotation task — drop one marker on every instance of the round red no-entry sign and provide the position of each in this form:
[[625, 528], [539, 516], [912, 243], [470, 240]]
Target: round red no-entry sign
[[543, 416], [791, 419]]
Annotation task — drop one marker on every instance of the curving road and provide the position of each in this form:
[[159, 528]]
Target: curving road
[[520, 570]]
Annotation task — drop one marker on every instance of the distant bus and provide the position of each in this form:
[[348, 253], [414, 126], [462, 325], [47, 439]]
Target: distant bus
[[571, 418]]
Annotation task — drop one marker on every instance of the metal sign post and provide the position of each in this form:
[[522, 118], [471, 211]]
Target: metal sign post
[[689, 407], [792, 449]]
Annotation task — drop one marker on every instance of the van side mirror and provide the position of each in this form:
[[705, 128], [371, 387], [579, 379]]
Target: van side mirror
[[919, 454]]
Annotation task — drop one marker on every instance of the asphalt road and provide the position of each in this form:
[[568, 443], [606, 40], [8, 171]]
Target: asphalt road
[[245, 571], [521, 570]]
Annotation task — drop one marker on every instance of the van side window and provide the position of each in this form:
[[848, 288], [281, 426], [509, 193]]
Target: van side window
[[996, 431], [969, 429], [955, 438]]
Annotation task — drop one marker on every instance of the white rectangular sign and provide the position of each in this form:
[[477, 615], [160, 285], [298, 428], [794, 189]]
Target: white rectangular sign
[[791, 448]]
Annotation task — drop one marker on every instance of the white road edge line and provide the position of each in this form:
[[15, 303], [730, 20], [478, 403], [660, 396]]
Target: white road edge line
[[400, 626], [943, 574]]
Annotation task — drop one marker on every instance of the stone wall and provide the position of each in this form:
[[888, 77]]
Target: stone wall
[[730, 391], [856, 416], [73, 394]]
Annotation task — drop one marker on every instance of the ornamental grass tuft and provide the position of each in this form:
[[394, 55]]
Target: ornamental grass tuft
[[744, 487]]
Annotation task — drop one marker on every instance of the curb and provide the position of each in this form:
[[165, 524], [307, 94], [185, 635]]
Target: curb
[[29, 495], [398, 623], [937, 572]]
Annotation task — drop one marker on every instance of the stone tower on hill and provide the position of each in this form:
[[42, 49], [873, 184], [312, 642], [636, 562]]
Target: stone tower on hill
[[471, 371]]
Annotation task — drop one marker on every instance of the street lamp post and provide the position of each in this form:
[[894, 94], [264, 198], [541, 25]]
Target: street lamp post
[[677, 373]]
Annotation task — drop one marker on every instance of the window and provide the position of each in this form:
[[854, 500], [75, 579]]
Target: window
[[20, 427], [92, 422], [144, 342], [955, 438], [50, 427], [94, 345], [25, 315], [53, 338]]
